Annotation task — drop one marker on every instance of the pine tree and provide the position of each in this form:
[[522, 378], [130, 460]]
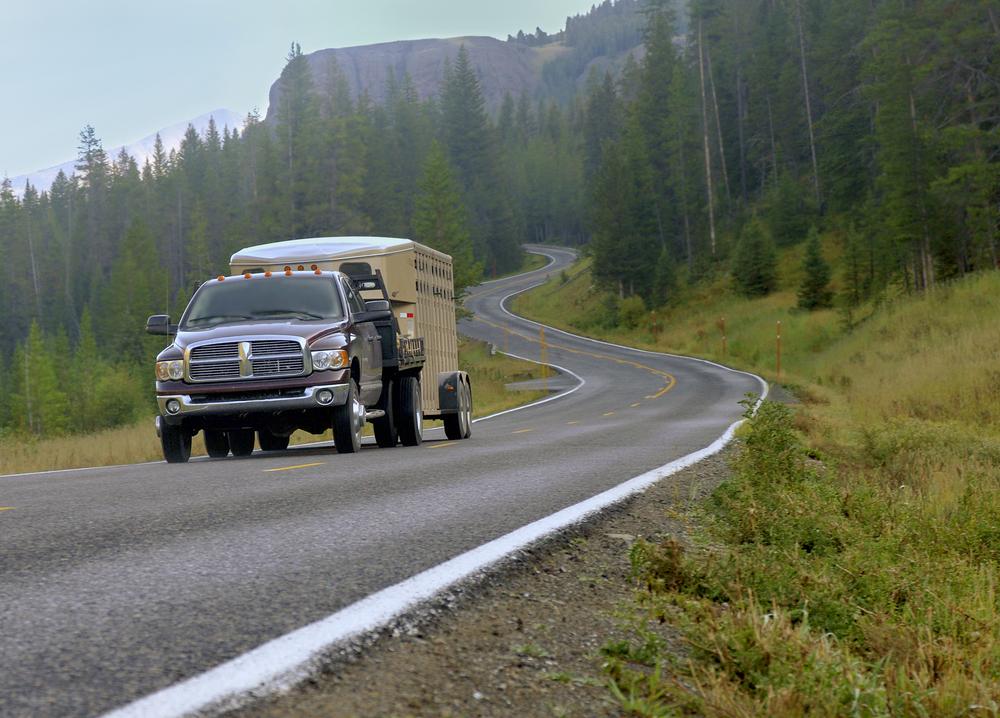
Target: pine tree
[[441, 221], [814, 293], [755, 267]]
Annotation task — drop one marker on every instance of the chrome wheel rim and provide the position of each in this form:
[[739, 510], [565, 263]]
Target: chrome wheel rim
[[357, 416]]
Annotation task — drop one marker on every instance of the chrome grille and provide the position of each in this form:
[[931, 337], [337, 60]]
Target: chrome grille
[[276, 367], [229, 350], [215, 371], [273, 347], [255, 359]]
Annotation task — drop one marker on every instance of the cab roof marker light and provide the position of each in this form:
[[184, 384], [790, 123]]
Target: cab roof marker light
[[247, 275], [267, 274], [288, 272], [221, 278], [318, 272]]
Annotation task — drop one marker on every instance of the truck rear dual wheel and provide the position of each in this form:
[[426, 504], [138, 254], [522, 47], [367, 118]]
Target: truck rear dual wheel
[[409, 411], [176, 443], [272, 442], [459, 425], [241, 441], [386, 434], [216, 444], [348, 421]]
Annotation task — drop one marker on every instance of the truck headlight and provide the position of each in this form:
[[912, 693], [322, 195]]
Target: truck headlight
[[167, 370], [334, 359]]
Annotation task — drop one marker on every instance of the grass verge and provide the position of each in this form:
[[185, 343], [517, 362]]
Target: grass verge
[[850, 565], [137, 443]]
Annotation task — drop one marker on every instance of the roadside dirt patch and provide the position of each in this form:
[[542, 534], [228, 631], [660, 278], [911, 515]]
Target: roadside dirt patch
[[524, 640]]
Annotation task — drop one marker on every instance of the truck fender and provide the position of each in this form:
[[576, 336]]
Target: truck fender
[[449, 394]]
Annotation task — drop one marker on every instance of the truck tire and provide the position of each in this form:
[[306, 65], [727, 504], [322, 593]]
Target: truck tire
[[216, 444], [386, 434], [409, 412], [459, 425], [176, 443], [241, 441], [348, 421], [272, 442]]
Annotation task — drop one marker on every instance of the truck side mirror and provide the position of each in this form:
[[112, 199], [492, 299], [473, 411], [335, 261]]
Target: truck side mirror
[[380, 315], [160, 324], [378, 305]]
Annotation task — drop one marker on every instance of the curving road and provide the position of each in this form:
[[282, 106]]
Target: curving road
[[118, 582]]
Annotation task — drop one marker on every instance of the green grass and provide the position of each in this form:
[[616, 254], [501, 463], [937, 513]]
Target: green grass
[[850, 566]]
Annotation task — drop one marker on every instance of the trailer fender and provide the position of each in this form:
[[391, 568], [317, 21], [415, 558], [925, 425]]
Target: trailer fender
[[450, 397]]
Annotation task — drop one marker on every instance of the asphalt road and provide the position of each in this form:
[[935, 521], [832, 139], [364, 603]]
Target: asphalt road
[[117, 582]]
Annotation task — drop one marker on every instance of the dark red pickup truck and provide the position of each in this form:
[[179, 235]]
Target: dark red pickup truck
[[266, 355]]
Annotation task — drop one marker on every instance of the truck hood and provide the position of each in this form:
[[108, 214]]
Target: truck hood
[[292, 328]]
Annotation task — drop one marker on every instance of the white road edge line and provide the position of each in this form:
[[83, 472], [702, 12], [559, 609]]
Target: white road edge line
[[283, 662]]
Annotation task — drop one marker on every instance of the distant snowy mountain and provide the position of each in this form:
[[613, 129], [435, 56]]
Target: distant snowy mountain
[[171, 136]]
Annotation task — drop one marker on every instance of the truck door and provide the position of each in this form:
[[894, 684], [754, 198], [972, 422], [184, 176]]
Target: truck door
[[370, 349]]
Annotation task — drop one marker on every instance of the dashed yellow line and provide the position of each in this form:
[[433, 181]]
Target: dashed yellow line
[[6, 508], [572, 423], [638, 403], [441, 446], [521, 431], [292, 468], [671, 381], [610, 413]]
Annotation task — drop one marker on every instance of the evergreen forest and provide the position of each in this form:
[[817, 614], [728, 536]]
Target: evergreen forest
[[742, 127]]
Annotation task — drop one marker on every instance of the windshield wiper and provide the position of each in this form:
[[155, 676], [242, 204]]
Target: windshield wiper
[[287, 313], [218, 319]]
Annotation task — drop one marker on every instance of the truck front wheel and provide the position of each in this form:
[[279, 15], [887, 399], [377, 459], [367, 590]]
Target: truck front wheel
[[348, 420], [176, 443], [409, 412]]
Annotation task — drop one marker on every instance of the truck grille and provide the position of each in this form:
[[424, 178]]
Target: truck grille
[[256, 359]]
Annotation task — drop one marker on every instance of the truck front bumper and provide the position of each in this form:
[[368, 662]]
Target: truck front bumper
[[177, 407]]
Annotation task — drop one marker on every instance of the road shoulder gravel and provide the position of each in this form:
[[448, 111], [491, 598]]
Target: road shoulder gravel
[[523, 639]]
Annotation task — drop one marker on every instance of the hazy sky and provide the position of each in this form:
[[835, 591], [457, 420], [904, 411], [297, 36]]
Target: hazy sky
[[131, 67]]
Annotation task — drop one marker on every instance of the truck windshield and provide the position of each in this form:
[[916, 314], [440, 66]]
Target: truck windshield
[[278, 298]]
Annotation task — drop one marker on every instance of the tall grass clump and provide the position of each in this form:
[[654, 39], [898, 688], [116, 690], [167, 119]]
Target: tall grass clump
[[863, 584]]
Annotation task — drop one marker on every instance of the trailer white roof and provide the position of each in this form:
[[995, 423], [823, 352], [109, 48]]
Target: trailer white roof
[[319, 249]]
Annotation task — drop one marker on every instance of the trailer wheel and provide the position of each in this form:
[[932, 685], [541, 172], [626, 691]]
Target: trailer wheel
[[176, 443], [348, 420], [241, 441], [272, 442], [467, 414], [459, 425], [410, 413], [216, 444], [386, 433]]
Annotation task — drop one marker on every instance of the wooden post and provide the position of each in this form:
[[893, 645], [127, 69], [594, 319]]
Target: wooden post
[[778, 344]]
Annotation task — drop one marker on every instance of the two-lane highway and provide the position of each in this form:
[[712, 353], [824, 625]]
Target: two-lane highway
[[119, 582]]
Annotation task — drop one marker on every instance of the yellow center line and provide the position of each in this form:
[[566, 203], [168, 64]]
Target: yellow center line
[[300, 466], [6, 508], [522, 431], [571, 423], [671, 381], [441, 446], [610, 413], [638, 403]]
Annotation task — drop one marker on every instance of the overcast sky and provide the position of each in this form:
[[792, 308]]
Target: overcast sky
[[131, 67]]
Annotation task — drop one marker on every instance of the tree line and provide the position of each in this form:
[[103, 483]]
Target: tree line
[[873, 122]]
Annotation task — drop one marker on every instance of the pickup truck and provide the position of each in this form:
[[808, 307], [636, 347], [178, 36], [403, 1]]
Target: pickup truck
[[262, 354]]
